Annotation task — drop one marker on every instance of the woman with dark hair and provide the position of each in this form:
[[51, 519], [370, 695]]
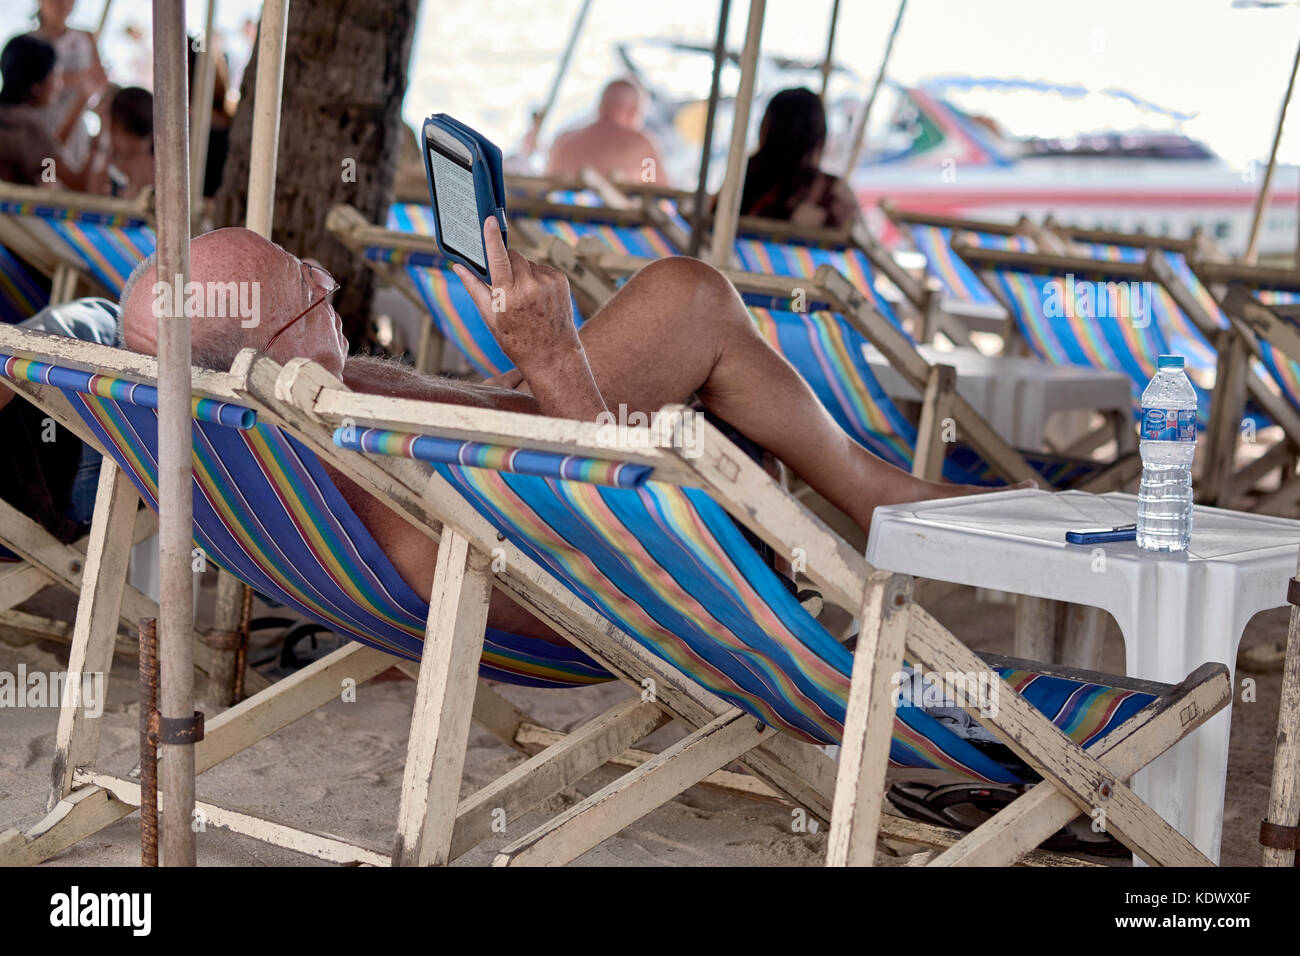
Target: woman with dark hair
[[782, 180], [29, 153], [81, 75]]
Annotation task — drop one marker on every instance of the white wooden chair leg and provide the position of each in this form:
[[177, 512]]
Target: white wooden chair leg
[[444, 703], [869, 721], [95, 630], [637, 792], [1284, 797]]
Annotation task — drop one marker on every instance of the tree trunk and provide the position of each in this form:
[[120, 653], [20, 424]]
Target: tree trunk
[[340, 126]]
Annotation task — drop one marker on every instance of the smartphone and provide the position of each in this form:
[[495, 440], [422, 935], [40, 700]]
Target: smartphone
[[1122, 532]]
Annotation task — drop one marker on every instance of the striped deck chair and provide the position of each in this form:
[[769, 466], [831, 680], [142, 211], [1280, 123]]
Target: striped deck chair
[[1042, 293], [1195, 326], [932, 237], [90, 238], [1261, 304], [630, 554]]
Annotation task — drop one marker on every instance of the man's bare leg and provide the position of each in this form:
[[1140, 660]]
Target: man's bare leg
[[679, 329]]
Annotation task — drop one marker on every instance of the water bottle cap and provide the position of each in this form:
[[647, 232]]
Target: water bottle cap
[[1170, 361]]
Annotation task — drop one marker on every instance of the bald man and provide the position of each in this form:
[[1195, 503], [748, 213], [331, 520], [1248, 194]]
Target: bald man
[[675, 332], [614, 145]]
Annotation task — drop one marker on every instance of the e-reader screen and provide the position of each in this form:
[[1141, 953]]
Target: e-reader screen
[[453, 191]]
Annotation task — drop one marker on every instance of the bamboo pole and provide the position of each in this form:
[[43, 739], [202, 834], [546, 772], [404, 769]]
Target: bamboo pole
[[1261, 200], [266, 116], [175, 483], [103, 19], [699, 213], [724, 221], [827, 64], [205, 69], [860, 125]]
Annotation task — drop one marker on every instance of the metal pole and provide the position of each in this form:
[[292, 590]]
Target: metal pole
[[578, 22], [699, 213], [830, 50], [860, 126], [724, 222], [1252, 246], [205, 68], [266, 116], [175, 484]]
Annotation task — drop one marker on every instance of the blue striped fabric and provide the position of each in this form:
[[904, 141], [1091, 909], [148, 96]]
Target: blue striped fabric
[[265, 510], [1111, 343], [21, 294]]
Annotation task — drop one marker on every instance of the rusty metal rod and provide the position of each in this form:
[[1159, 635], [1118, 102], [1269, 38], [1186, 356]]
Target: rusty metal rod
[[148, 741], [241, 655]]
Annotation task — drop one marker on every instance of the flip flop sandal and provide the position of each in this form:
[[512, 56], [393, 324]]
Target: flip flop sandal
[[964, 807]]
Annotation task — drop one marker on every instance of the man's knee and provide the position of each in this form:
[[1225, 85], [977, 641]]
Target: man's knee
[[699, 292], [683, 272]]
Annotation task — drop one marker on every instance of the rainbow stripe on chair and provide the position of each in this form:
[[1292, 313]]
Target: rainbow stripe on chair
[[1105, 342], [757, 254], [1284, 370], [108, 247], [516, 461], [955, 277]]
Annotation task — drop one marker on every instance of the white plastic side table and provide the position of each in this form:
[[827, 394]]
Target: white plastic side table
[[1175, 611], [1017, 395]]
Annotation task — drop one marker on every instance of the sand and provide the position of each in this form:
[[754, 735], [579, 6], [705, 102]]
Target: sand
[[339, 769]]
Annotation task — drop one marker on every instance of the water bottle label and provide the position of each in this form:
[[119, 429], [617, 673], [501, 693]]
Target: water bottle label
[[1169, 424]]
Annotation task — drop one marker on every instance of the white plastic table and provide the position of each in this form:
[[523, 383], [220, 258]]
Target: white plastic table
[[1016, 395], [1175, 611]]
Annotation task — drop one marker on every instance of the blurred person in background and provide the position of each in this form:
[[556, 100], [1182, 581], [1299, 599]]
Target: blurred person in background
[[130, 138], [783, 179], [81, 75], [614, 144], [29, 153]]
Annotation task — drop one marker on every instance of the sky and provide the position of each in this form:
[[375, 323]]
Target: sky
[[1228, 66]]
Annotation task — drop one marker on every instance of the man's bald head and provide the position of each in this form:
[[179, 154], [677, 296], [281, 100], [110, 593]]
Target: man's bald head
[[622, 103], [238, 267]]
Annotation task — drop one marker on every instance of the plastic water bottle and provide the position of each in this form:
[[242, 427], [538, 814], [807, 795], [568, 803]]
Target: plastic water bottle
[[1168, 444]]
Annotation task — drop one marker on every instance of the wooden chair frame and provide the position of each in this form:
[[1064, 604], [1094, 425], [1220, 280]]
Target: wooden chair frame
[[66, 272], [433, 823]]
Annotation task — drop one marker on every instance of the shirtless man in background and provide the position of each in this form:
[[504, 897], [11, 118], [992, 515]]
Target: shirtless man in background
[[614, 145]]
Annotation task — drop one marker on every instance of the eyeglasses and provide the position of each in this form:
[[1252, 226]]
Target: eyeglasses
[[288, 325]]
